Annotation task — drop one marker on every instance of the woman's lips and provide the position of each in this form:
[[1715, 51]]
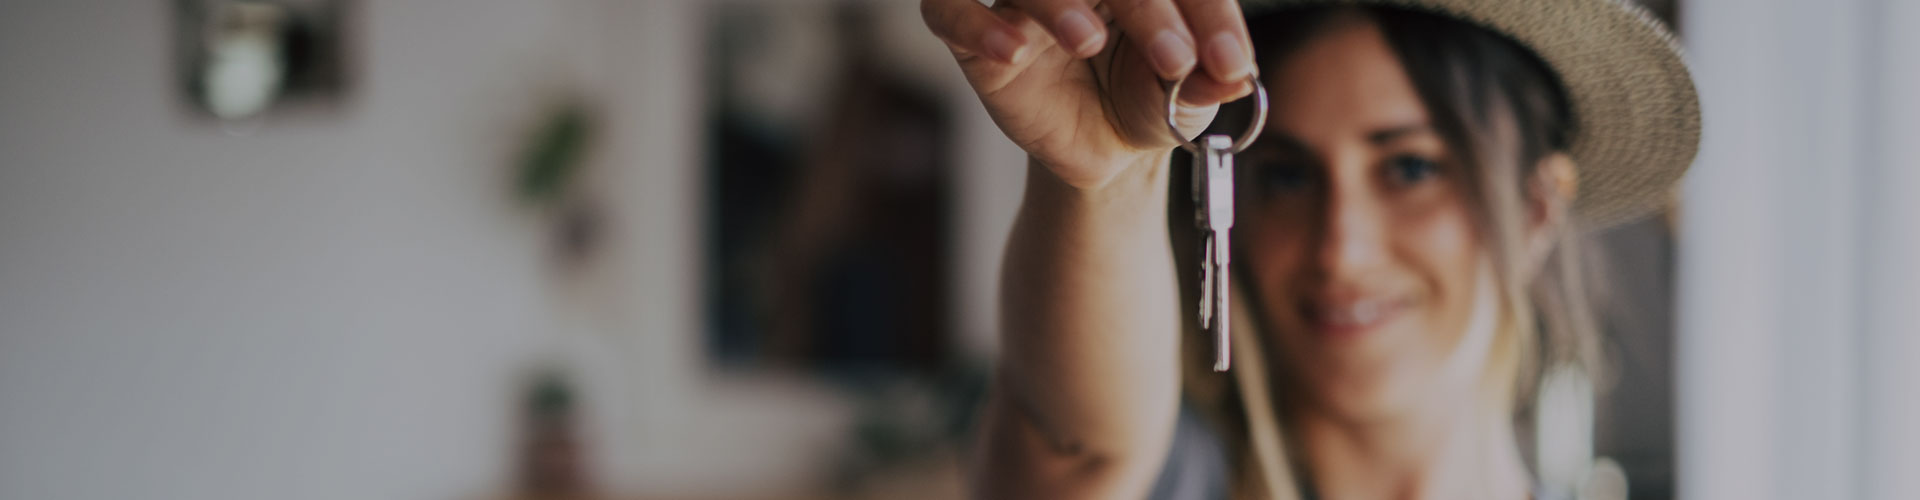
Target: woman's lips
[[1353, 317]]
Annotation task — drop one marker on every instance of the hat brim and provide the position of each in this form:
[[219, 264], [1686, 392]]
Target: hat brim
[[1636, 113]]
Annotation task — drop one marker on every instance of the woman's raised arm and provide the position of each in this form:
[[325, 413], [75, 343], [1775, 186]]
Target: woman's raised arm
[[1087, 385]]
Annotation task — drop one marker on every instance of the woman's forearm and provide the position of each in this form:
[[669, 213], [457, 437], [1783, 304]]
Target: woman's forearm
[[1089, 376]]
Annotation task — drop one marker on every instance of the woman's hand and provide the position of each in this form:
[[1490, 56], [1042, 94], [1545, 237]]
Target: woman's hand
[[1081, 101]]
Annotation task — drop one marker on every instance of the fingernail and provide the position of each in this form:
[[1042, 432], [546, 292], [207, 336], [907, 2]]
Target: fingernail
[[1079, 32], [1227, 58], [1246, 89], [1171, 55], [1001, 46]]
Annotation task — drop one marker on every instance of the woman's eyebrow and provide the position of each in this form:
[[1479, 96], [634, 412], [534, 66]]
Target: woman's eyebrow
[[1388, 135]]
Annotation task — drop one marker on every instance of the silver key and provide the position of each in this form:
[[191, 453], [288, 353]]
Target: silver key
[[1213, 213], [1213, 197]]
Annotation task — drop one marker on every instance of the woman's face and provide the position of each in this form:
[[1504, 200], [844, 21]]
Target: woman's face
[[1357, 229]]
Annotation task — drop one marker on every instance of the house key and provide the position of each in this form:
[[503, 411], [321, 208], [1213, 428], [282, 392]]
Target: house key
[[1213, 213]]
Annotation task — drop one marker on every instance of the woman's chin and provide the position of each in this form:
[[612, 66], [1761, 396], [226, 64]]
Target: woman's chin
[[1360, 404], [1364, 388], [1358, 365]]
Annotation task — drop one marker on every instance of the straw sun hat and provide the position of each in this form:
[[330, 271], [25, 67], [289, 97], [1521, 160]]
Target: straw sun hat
[[1636, 116]]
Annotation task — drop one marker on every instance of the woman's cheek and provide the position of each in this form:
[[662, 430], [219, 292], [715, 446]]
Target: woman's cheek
[[1443, 244], [1272, 258]]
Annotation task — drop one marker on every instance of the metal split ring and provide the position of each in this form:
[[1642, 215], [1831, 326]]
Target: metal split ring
[[1246, 139]]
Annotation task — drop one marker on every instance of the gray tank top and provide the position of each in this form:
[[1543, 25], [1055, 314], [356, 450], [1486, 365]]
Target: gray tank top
[[1196, 465]]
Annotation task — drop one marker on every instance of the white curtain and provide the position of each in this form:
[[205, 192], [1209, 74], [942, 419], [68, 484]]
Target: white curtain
[[1799, 288]]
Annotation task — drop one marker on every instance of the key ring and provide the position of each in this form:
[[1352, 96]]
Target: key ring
[[1253, 131]]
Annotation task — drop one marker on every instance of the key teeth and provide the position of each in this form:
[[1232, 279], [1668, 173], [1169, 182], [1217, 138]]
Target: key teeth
[[1206, 307], [1207, 287]]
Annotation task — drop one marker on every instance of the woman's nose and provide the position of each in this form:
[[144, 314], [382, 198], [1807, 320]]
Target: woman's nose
[[1352, 234]]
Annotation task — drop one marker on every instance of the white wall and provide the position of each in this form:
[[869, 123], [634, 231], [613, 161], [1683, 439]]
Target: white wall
[[338, 304], [1890, 340], [1799, 295], [335, 306]]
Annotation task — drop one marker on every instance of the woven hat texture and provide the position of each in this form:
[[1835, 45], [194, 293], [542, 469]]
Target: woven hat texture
[[1636, 113]]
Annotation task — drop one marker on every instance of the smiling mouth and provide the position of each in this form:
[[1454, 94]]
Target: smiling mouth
[[1350, 318]]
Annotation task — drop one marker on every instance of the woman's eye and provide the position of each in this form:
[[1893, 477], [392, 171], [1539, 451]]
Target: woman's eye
[[1411, 169]]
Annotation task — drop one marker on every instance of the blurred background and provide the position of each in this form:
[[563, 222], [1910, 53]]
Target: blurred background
[[747, 249]]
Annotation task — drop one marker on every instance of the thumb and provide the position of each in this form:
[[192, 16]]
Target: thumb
[[1200, 96]]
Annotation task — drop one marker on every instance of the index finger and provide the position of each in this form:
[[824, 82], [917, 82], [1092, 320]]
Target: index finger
[[1160, 32], [1073, 23], [969, 28], [1220, 31]]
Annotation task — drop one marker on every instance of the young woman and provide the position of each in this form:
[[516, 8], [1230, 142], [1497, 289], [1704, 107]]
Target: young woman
[[1403, 264]]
